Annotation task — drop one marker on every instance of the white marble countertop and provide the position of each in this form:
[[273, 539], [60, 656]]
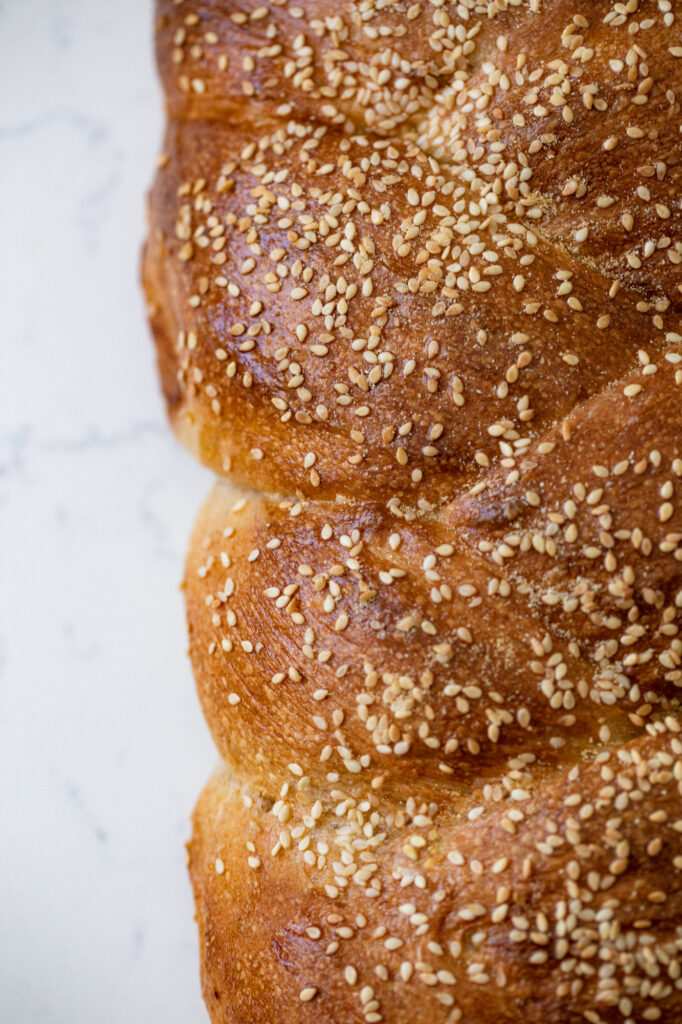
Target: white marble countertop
[[102, 746]]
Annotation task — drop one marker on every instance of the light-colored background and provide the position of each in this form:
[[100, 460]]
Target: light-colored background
[[102, 746]]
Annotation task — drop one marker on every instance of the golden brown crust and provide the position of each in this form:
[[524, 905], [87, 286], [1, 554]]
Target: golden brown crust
[[414, 273], [561, 916], [362, 312], [536, 614], [328, 63], [408, 663]]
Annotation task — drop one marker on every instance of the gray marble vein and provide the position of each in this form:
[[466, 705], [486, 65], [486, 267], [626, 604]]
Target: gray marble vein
[[102, 746]]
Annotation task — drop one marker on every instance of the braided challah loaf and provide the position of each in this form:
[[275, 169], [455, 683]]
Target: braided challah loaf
[[415, 272]]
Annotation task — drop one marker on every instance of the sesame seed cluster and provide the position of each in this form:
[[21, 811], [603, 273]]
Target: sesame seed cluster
[[414, 274]]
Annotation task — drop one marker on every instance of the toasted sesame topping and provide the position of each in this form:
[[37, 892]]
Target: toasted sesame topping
[[427, 280]]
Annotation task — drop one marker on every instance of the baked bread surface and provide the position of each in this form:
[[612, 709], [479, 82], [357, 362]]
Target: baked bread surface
[[414, 273], [382, 302]]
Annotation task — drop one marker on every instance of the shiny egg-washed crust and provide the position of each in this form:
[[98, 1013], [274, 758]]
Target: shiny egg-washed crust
[[537, 613], [570, 913], [395, 687], [391, 243], [414, 273]]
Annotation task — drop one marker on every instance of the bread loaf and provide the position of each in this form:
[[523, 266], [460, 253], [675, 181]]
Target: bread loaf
[[414, 273]]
